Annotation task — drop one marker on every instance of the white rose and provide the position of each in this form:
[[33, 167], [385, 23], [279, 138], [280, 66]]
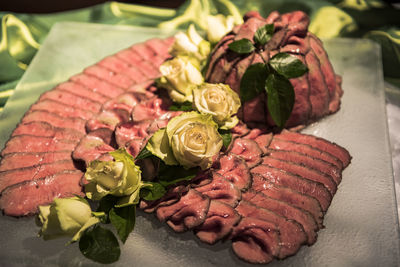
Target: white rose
[[179, 76], [218, 100], [218, 26]]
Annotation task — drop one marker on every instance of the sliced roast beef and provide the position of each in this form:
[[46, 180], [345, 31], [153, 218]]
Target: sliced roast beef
[[55, 120], [8, 178], [117, 65], [125, 102], [61, 109], [172, 196], [190, 211], [295, 182], [31, 143], [322, 144], [248, 150], [263, 142], [286, 210], [234, 169], [82, 91], [117, 79], [136, 145], [279, 144], [90, 148], [302, 171], [24, 198], [290, 196], [221, 189], [256, 241], [148, 110], [106, 119], [27, 159], [219, 223], [97, 85], [291, 233], [41, 128], [314, 163], [127, 131], [72, 99]]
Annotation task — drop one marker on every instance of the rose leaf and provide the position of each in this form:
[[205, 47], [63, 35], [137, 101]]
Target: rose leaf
[[253, 81], [280, 98], [263, 34], [123, 220], [170, 175], [243, 46], [152, 191], [100, 245], [288, 65]]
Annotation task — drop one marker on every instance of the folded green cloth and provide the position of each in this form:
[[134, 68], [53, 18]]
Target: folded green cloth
[[21, 34]]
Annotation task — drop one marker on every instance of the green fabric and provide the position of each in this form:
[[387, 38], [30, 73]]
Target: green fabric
[[22, 34]]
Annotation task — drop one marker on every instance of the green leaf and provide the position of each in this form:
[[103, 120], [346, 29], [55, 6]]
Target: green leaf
[[123, 220], [105, 205], [170, 175], [100, 245], [288, 65], [243, 46], [226, 137], [152, 191], [185, 106], [253, 81], [280, 98], [144, 153], [263, 34]]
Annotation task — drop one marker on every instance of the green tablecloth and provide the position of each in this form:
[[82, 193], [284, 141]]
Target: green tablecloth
[[22, 34]]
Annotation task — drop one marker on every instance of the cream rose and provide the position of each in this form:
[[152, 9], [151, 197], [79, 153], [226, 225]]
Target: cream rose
[[218, 26], [119, 178], [66, 217], [179, 76], [218, 100], [190, 139]]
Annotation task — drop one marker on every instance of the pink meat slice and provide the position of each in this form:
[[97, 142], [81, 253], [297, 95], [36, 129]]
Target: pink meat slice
[[27, 159], [234, 169], [24, 198], [219, 223], [190, 211], [256, 241], [41, 128], [55, 120], [97, 85]]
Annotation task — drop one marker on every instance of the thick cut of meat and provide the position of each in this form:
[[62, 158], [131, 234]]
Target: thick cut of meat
[[61, 109], [24, 198], [290, 196], [295, 182], [256, 241], [190, 211], [302, 171], [317, 93], [90, 148], [291, 233], [11, 177], [55, 120], [221, 189], [31, 143], [286, 210], [324, 145], [41, 128], [219, 223], [27, 159], [248, 150], [234, 169], [314, 163]]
